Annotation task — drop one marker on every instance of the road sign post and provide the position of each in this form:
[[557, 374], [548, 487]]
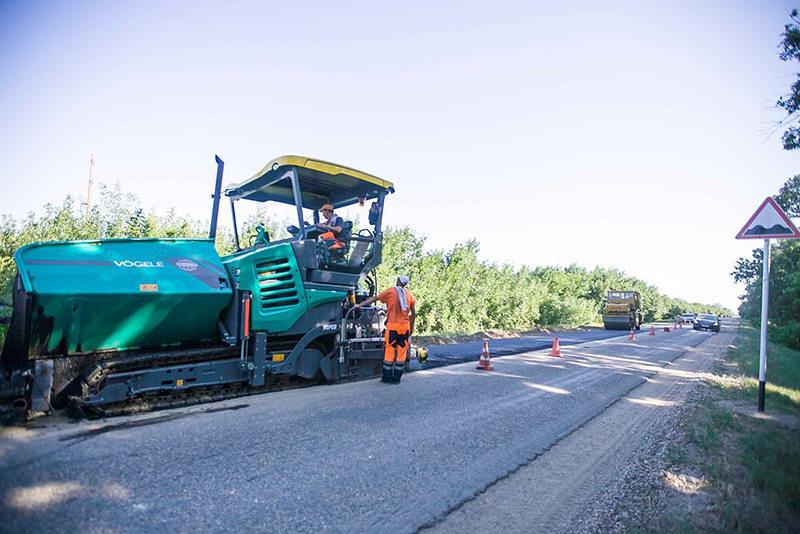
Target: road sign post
[[762, 356], [769, 221]]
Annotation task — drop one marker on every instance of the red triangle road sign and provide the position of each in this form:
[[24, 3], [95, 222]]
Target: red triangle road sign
[[769, 221]]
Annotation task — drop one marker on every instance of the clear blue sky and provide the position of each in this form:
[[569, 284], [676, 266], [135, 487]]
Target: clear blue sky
[[630, 135]]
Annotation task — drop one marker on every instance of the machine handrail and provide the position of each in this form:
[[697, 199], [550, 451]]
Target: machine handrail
[[343, 331]]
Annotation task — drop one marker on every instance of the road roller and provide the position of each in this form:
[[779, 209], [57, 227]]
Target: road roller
[[623, 311]]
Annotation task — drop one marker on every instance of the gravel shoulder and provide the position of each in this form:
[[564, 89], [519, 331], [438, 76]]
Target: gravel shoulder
[[602, 477]]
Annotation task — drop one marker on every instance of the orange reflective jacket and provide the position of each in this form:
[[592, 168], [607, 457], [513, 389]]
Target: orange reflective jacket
[[398, 319]]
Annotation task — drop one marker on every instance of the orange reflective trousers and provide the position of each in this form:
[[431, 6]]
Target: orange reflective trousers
[[329, 236], [394, 355]]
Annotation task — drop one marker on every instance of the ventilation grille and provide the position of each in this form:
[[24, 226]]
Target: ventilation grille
[[276, 284]]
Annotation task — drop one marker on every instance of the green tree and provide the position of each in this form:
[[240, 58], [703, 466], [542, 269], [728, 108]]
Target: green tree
[[790, 51], [784, 286], [788, 196], [274, 227], [784, 290]]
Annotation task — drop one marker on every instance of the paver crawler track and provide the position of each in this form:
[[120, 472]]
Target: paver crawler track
[[156, 400]]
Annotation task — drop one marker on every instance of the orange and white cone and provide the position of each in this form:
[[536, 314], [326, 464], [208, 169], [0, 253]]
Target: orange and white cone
[[631, 337], [485, 363], [652, 330], [556, 350]]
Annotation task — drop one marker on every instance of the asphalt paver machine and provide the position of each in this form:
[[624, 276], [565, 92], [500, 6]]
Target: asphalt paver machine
[[122, 325]]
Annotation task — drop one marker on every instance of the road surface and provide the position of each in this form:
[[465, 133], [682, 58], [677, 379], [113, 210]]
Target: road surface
[[449, 354], [572, 486], [359, 457]]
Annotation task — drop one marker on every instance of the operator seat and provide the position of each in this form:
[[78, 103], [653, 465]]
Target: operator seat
[[338, 255]]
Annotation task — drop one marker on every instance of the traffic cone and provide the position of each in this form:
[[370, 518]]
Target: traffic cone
[[631, 337], [485, 363], [652, 330], [556, 350], [666, 329]]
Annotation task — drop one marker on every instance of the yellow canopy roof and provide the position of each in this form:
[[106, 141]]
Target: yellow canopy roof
[[321, 182]]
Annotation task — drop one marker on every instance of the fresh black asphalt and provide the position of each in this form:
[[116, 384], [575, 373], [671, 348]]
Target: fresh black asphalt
[[449, 354]]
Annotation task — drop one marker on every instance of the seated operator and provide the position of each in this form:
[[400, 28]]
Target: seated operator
[[333, 226]]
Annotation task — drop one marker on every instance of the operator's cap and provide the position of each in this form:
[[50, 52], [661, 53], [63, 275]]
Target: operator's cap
[[403, 279], [326, 207]]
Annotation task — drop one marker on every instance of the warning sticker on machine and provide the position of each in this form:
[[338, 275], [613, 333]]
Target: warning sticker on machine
[[148, 287], [278, 357]]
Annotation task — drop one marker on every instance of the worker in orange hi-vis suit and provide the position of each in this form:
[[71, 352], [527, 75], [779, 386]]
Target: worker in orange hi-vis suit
[[334, 225], [399, 328]]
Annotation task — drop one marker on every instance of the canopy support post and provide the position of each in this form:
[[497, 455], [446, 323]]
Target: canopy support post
[[235, 228], [298, 201]]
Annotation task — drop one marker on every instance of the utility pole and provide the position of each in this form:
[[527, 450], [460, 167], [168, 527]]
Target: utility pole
[[89, 194]]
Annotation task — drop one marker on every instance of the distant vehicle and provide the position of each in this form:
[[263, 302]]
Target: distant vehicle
[[688, 318], [623, 311], [707, 322]]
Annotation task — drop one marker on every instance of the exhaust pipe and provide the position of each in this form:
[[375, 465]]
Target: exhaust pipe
[[212, 232]]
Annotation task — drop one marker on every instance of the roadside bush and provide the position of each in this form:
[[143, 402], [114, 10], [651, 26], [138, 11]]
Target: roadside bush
[[567, 311], [788, 334]]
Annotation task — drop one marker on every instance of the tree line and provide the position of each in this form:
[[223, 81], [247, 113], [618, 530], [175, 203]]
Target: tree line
[[457, 291]]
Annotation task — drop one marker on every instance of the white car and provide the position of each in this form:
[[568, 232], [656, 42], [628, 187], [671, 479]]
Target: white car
[[688, 318]]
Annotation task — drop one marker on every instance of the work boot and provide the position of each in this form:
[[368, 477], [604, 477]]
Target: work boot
[[397, 374], [387, 376]]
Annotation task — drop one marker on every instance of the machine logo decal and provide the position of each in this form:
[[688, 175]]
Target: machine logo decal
[[213, 278], [186, 265], [129, 263]]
